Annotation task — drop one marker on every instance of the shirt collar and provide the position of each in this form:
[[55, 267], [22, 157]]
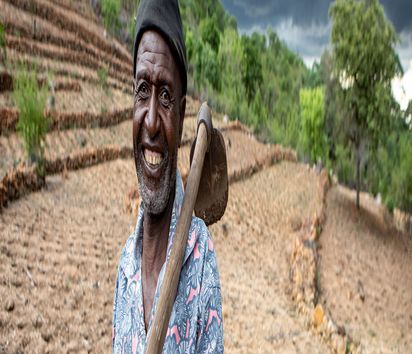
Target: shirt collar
[[130, 259]]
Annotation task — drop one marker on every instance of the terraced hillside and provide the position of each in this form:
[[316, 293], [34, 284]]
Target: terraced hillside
[[280, 244]]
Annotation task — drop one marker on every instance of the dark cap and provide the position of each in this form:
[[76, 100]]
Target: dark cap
[[162, 16]]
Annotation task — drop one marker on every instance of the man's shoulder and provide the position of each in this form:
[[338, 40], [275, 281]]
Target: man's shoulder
[[199, 238]]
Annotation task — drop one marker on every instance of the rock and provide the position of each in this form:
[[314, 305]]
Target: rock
[[38, 322], [296, 223], [81, 140], [224, 229], [96, 285], [361, 291], [318, 315], [46, 336], [9, 306], [21, 324]]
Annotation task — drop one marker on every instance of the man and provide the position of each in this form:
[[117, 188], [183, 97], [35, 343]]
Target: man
[[160, 81]]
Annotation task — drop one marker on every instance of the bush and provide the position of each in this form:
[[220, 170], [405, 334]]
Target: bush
[[343, 165], [32, 126], [312, 135], [103, 75], [2, 43], [110, 13], [401, 188]]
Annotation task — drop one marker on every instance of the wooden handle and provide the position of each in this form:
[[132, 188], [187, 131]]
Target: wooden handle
[[158, 329]]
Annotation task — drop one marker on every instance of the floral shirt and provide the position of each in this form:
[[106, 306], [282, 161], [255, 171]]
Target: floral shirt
[[195, 325]]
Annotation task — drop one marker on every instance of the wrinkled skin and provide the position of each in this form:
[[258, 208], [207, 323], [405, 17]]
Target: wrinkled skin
[[159, 109]]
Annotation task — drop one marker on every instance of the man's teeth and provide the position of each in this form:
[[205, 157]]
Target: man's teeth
[[152, 157]]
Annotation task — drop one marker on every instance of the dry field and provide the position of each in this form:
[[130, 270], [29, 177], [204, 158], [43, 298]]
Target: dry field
[[366, 278], [60, 247]]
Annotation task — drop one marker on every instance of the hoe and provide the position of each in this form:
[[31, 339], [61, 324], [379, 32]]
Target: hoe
[[206, 193]]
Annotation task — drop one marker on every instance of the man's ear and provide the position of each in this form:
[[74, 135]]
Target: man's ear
[[182, 117]]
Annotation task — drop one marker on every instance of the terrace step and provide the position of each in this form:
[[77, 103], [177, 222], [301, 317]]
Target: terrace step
[[72, 22]]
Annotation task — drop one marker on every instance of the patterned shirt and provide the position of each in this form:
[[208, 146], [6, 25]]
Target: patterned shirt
[[195, 325]]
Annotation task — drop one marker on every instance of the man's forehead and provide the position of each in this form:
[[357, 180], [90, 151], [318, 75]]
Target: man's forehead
[[154, 42], [154, 52]]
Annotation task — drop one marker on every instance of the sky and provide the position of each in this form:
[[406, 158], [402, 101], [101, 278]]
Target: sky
[[305, 27]]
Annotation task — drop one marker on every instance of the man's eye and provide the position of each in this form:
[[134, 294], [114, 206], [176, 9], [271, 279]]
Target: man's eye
[[142, 91], [165, 97]]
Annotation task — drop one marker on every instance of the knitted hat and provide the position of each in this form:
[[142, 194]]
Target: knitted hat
[[162, 16]]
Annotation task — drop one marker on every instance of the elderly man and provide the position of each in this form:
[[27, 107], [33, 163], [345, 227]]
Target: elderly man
[[160, 81]]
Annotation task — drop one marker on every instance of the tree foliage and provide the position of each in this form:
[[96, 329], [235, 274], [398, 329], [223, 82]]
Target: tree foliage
[[3, 55], [254, 78], [313, 139], [365, 62], [252, 70], [111, 12], [401, 187]]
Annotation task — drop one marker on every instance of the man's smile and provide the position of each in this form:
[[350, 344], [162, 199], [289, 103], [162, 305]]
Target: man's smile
[[154, 163], [152, 158]]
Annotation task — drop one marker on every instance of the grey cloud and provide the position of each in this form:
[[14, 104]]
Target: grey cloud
[[304, 12], [305, 26]]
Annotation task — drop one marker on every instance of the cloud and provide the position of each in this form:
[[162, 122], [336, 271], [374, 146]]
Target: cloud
[[304, 12], [399, 12], [404, 49], [402, 88], [308, 41], [305, 25], [301, 12]]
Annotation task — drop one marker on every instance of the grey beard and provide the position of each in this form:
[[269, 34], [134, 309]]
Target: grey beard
[[155, 202]]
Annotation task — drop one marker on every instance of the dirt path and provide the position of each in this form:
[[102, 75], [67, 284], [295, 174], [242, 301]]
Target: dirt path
[[60, 247], [366, 277]]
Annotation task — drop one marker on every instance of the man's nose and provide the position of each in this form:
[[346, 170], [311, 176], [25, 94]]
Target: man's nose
[[152, 120]]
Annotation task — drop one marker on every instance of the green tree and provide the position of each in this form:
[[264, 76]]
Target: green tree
[[363, 42], [111, 11], [230, 63], [401, 187], [252, 67], [312, 135], [210, 32]]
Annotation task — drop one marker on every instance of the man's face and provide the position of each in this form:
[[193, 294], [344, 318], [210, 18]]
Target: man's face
[[157, 121]]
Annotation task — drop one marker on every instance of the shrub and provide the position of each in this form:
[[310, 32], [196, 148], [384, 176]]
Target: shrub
[[343, 165], [2, 43], [401, 188], [312, 135], [111, 12], [103, 75], [32, 126]]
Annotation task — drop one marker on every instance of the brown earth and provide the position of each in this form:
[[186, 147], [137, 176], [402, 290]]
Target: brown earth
[[60, 144], [365, 273], [60, 248], [253, 242]]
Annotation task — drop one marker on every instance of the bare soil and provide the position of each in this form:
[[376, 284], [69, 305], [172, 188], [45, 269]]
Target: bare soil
[[253, 242], [365, 273], [60, 249], [63, 143]]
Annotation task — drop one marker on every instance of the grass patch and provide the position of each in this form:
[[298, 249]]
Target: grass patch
[[32, 126]]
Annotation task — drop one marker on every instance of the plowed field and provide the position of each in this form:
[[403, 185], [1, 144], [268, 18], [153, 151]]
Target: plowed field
[[60, 249]]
